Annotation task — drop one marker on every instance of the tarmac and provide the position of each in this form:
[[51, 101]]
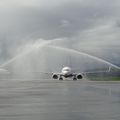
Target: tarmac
[[41, 99]]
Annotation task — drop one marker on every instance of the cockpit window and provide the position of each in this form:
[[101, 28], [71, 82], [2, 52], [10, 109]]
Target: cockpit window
[[67, 69]]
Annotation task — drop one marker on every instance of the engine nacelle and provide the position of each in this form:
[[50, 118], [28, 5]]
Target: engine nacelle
[[55, 76], [79, 76]]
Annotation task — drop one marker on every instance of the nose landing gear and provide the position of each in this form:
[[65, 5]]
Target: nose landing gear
[[74, 78], [60, 78]]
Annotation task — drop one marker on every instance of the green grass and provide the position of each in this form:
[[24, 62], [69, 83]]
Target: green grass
[[104, 78]]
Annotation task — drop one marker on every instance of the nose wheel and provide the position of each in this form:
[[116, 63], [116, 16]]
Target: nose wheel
[[60, 78], [74, 78]]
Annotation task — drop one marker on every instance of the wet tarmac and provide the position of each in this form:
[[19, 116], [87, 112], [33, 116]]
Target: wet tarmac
[[59, 100]]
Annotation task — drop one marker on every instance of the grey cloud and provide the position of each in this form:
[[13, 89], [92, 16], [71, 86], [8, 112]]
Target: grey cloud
[[21, 23], [47, 22]]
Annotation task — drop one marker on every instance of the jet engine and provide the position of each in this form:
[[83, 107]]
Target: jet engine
[[55, 76], [79, 76]]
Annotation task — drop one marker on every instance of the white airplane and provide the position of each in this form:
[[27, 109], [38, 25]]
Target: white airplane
[[67, 72]]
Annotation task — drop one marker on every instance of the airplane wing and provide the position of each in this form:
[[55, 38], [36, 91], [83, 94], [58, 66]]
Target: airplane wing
[[32, 72], [35, 72], [47, 73], [97, 71], [88, 72], [4, 71]]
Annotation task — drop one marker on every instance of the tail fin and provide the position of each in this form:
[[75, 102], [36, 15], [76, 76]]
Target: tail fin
[[69, 61]]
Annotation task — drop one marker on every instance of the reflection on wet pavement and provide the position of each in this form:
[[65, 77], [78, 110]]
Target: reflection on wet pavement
[[58, 100]]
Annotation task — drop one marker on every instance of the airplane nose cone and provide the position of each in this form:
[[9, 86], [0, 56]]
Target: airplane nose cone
[[66, 72]]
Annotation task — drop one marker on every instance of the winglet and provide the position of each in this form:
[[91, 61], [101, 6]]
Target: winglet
[[109, 69]]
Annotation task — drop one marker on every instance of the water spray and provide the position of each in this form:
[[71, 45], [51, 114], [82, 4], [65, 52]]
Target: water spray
[[85, 54], [48, 44], [30, 48]]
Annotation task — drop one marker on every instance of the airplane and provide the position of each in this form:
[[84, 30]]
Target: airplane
[[67, 72]]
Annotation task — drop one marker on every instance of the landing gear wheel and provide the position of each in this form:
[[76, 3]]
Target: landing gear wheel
[[74, 79], [60, 78]]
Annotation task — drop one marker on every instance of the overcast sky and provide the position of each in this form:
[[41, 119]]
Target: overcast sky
[[90, 26]]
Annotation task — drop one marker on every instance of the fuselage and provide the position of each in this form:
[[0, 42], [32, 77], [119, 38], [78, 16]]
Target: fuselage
[[66, 72]]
